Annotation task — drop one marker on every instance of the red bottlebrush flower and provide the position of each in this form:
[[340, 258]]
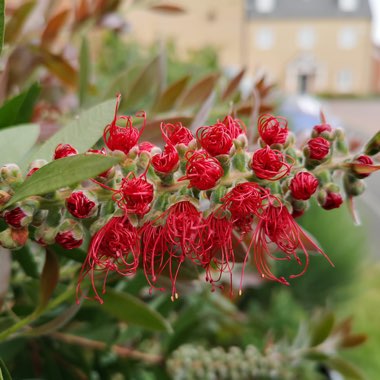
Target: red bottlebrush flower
[[244, 202], [365, 160], [68, 240], [303, 185], [319, 148], [167, 161], [18, 217], [215, 139], [176, 133], [64, 150], [122, 138], [278, 226], [136, 195], [332, 200], [80, 206], [114, 248], [202, 171], [146, 146], [318, 129], [270, 164], [273, 130], [235, 127], [217, 254]]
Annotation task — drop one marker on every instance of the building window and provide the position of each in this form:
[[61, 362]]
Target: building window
[[264, 6], [306, 38], [264, 38], [344, 80], [347, 38], [348, 5]]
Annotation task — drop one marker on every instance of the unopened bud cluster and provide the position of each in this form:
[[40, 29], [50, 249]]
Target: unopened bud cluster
[[192, 201]]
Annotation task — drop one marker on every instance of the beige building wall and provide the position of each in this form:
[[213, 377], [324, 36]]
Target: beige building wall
[[274, 47]]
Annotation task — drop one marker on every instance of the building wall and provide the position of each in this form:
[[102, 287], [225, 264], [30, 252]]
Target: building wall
[[221, 23]]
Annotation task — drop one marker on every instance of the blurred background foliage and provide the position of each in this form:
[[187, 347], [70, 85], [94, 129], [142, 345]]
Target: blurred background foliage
[[69, 60]]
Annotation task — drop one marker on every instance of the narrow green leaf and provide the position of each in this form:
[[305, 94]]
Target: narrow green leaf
[[84, 71], [321, 328], [26, 260], [170, 95], [19, 109], [131, 310], [344, 367], [17, 21], [49, 279], [15, 142], [145, 84], [373, 146], [83, 132], [2, 21], [61, 173], [4, 373]]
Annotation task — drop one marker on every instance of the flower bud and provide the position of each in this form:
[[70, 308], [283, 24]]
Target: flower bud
[[45, 234], [167, 162], [4, 197], [303, 185], [64, 150], [10, 174], [364, 160], [318, 148], [215, 139], [241, 142], [272, 130], [353, 186], [70, 234], [13, 239], [329, 197], [176, 133], [323, 130], [81, 205], [19, 216]]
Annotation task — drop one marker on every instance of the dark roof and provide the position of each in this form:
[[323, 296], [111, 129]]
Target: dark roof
[[298, 9]]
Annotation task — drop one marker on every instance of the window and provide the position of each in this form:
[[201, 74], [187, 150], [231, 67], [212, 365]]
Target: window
[[306, 38], [347, 38], [264, 38], [348, 5], [344, 80], [264, 6]]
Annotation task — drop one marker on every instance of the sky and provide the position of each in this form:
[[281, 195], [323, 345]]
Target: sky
[[375, 4]]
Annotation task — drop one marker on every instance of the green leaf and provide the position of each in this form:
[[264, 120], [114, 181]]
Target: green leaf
[[131, 310], [145, 83], [84, 70], [4, 373], [343, 366], [26, 260], [61, 173], [17, 21], [2, 21], [170, 95], [322, 327], [49, 279], [15, 142], [373, 146], [19, 109], [85, 131], [75, 254]]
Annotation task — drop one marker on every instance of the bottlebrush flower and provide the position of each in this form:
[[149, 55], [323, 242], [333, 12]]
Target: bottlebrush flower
[[215, 139], [270, 164], [319, 148], [303, 185], [80, 205], [19, 217], [244, 202], [235, 127], [146, 146], [321, 128], [167, 161], [64, 150], [122, 138], [278, 226], [70, 234], [202, 171], [363, 160], [136, 194], [273, 130], [331, 200], [176, 133], [114, 248]]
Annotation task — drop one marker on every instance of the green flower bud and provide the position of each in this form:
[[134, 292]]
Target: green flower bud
[[10, 174]]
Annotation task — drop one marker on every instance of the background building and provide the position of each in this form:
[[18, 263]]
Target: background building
[[309, 46]]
